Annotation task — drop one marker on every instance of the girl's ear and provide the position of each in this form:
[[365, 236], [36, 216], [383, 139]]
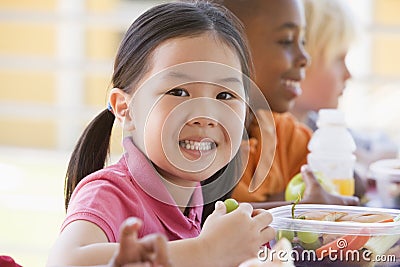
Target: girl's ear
[[119, 102]]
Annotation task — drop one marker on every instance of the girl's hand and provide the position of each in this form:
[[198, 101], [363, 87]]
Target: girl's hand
[[236, 236], [149, 251], [315, 194]]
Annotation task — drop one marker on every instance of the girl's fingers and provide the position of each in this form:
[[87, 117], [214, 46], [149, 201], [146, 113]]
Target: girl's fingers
[[262, 218], [219, 208], [129, 249], [262, 215], [244, 207], [154, 249], [128, 234], [130, 227], [160, 250], [259, 211], [267, 234]]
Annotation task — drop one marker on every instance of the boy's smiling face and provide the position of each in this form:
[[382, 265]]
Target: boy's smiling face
[[276, 37], [189, 113]]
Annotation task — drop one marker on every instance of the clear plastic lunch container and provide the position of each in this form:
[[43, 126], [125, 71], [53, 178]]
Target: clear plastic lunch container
[[338, 243], [386, 173]]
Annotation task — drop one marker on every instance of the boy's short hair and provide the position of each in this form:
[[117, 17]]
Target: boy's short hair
[[245, 10], [330, 28]]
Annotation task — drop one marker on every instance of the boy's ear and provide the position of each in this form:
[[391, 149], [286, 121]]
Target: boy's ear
[[119, 101]]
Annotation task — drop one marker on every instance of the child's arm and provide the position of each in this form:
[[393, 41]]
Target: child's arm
[[131, 251], [81, 243], [219, 244]]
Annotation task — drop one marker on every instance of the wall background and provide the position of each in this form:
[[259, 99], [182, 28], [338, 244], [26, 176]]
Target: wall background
[[371, 99], [55, 69]]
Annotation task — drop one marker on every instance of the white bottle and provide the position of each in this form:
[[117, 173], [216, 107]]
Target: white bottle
[[331, 151]]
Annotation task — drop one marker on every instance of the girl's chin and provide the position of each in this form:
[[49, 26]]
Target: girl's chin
[[192, 178], [194, 155]]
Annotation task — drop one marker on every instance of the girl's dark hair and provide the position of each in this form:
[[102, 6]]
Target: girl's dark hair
[[133, 60]]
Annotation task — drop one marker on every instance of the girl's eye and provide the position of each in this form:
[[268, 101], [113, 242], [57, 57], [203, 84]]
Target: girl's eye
[[178, 92], [225, 96], [286, 42]]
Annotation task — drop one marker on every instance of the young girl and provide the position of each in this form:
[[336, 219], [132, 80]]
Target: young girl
[[179, 90]]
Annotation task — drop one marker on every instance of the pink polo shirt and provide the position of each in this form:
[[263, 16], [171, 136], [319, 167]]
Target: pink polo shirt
[[129, 188]]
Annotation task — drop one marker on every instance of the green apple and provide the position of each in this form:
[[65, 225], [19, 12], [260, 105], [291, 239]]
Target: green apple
[[297, 186]]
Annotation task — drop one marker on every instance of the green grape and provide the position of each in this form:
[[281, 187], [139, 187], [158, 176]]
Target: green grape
[[307, 237], [311, 246], [231, 204], [289, 235]]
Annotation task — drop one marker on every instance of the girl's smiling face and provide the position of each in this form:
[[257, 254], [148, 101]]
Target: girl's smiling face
[[189, 112]]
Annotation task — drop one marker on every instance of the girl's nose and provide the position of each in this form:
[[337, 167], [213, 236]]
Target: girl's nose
[[203, 122]]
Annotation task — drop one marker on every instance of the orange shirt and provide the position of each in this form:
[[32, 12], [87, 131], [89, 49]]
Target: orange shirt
[[292, 138]]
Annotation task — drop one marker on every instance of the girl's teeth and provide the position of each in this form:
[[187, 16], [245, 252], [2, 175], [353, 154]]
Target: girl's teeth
[[193, 145]]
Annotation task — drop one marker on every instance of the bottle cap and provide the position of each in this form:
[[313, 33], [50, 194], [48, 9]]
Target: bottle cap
[[331, 117], [334, 140]]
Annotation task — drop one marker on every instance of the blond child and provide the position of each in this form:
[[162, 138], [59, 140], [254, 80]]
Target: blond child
[[329, 34], [331, 31]]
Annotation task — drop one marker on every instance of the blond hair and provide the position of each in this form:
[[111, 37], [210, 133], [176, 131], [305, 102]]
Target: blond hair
[[330, 28]]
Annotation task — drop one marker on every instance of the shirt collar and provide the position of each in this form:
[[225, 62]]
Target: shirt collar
[[149, 180]]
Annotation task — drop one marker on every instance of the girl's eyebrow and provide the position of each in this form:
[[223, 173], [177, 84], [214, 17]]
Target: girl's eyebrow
[[188, 78], [231, 80], [180, 75]]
